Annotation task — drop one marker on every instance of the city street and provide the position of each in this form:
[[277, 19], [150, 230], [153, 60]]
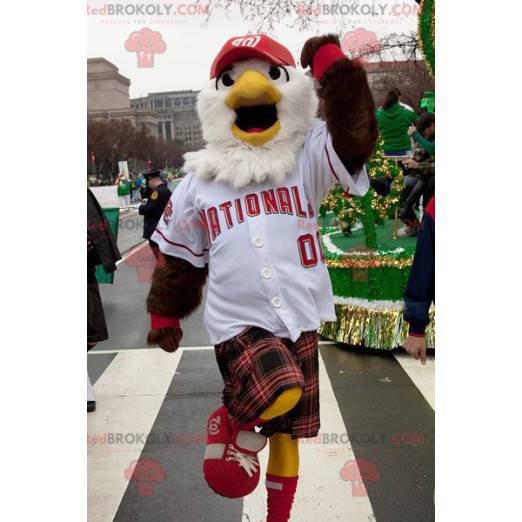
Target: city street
[[377, 416]]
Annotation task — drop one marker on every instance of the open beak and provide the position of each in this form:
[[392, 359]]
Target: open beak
[[253, 97]]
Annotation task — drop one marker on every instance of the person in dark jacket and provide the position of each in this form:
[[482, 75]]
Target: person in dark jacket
[[420, 290], [101, 250], [419, 179], [158, 195]]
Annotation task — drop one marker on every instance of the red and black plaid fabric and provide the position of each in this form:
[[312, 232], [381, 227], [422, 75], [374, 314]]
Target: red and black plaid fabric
[[256, 367]]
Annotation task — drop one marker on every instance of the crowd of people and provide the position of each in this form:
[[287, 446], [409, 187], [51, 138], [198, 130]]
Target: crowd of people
[[133, 189], [409, 139]]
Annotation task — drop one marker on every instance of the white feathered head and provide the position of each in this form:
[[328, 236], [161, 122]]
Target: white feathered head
[[255, 113]]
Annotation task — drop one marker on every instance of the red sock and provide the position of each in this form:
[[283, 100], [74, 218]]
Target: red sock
[[281, 491]]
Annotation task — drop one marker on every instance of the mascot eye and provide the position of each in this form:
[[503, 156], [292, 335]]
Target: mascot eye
[[227, 80], [276, 73], [224, 80]]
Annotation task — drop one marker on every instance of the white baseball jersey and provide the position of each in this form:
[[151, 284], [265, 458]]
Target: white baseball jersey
[[261, 242]]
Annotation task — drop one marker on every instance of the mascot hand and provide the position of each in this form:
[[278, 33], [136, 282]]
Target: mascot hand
[[166, 338], [313, 44]]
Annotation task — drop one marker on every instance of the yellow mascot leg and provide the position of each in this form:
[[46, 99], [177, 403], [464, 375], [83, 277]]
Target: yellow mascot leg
[[283, 404], [283, 459]]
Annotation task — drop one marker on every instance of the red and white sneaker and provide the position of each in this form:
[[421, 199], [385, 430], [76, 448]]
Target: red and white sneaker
[[230, 465]]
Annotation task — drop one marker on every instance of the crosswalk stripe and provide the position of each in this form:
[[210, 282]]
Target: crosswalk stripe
[[148, 348], [129, 395], [207, 347], [391, 430], [173, 456], [132, 251], [422, 376], [321, 494]]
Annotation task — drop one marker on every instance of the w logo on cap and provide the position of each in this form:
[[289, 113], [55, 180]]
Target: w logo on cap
[[247, 41], [250, 46], [213, 425]]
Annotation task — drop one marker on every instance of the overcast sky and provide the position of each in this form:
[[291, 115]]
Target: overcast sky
[[192, 42]]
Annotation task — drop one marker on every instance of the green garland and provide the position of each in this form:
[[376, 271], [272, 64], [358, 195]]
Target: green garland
[[372, 208], [373, 284], [426, 30]]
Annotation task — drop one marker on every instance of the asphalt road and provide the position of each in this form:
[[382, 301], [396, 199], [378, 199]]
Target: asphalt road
[[124, 301], [130, 230], [382, 404]]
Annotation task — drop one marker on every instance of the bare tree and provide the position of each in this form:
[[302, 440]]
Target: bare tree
[[118, 140], [399, 58], [264, 15]]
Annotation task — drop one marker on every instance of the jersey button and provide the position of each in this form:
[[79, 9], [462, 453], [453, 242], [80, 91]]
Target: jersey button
[[258, 241], [266, 273], [276, 302]]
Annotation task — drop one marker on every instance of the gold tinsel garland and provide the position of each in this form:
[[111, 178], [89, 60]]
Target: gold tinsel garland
[[370, 327], [369, 262], [349, 210]]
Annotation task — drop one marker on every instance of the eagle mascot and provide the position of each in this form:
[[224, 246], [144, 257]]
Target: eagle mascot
[[245, 217]]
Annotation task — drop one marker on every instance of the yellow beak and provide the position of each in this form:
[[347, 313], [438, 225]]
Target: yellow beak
[[250, 89]]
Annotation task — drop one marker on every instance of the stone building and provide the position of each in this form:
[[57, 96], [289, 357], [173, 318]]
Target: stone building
[[411, 77], [108, 97], [178, 116]]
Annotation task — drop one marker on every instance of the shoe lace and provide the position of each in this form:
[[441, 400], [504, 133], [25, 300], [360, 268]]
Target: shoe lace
[[248, 462]]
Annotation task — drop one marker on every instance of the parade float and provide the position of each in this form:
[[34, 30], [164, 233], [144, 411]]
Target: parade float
[[368, 263]]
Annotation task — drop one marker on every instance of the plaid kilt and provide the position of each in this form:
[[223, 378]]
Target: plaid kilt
[[256, 367]]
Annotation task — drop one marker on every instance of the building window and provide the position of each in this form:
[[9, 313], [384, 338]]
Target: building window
[[160, 129], [158, 103], [168, 102], [168, 131]]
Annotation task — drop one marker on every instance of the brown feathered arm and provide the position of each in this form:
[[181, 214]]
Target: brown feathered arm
[[176, 291], [347, 103]]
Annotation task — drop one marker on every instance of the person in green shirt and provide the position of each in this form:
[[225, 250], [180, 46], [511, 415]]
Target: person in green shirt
[[427, 145], [394, 120], [124, 190]]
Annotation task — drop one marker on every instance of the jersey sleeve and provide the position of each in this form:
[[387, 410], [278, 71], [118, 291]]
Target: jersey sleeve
[[323, 168], [179, 232]]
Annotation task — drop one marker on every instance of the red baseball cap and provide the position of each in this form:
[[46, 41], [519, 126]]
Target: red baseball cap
[[251, 46]]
